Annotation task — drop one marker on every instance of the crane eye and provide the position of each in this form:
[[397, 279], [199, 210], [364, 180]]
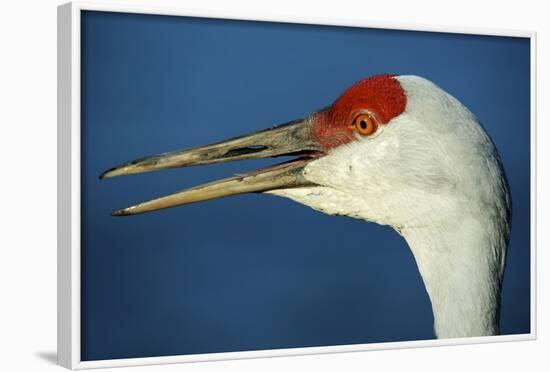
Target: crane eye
[[365, 124]]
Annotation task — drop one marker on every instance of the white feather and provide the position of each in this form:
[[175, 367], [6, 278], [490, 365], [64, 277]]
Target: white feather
[[433, 174]]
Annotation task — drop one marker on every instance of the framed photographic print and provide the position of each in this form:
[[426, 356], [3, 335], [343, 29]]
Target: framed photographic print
[[347, 186]]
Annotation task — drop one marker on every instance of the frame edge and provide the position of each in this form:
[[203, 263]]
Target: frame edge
[[64, 187]]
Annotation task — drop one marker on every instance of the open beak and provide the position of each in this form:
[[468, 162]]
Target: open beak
[[289, 139]]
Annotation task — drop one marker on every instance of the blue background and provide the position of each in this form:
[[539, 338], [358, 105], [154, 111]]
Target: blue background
[[256, 271]]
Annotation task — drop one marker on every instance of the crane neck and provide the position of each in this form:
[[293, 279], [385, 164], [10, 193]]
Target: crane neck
[[461, 265]]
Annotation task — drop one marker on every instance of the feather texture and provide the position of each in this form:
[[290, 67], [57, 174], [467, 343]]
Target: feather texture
[[434, 175]]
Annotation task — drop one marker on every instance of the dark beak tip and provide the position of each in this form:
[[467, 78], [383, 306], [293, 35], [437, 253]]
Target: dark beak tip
[[106, 174], [120, 212]]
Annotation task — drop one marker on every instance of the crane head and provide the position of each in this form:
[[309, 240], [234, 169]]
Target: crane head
[[390, 149]]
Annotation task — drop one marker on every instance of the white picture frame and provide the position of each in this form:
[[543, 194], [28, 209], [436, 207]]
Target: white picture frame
[[69, 186]]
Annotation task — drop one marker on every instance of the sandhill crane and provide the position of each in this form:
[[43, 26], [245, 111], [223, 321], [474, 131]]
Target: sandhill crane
[[394, 150]]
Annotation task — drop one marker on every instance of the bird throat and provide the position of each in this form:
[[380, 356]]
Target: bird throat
[[461, 267]]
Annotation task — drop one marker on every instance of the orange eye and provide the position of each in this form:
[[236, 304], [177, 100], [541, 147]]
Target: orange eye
[[365, 124]]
